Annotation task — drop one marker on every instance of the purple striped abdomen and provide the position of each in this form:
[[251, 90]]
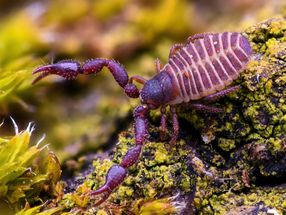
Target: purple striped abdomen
[[208, 64]]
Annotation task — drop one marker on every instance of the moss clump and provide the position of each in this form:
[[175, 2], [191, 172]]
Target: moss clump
[[21, 178]]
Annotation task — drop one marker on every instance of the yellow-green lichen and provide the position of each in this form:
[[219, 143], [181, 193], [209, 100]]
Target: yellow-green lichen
[[266, 197], [226, 144]]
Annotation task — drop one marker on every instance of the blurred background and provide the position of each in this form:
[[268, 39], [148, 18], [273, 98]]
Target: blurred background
[[86, 114]]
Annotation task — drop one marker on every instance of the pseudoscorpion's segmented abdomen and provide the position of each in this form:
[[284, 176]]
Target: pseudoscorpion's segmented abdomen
[[208, 64]]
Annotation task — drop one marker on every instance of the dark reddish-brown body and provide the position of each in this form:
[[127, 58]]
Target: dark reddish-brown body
[[197, 73]]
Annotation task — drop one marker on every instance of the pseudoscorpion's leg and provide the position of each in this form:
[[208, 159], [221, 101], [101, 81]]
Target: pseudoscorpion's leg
[[213, 97], [175, 126], [205, 108], [138, 79], [216, 96], [163, 128], [117, 173], [69, 69], [158, 65]]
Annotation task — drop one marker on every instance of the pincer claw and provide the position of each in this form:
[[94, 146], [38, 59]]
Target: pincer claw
[[115, 176], [68, 69]]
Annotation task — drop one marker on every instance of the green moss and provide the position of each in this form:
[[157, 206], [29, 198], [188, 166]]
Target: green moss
[[16, 60], [22, 180]]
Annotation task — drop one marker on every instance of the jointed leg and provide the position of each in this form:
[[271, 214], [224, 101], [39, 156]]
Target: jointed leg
[[175, 126], [158, 65], [163, 128], [205, 108], [69, 69], [210, 109], [216, 96], [117, 173], [138, 79]]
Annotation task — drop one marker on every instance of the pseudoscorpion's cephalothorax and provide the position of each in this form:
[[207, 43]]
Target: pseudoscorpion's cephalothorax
[[196, 73]]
